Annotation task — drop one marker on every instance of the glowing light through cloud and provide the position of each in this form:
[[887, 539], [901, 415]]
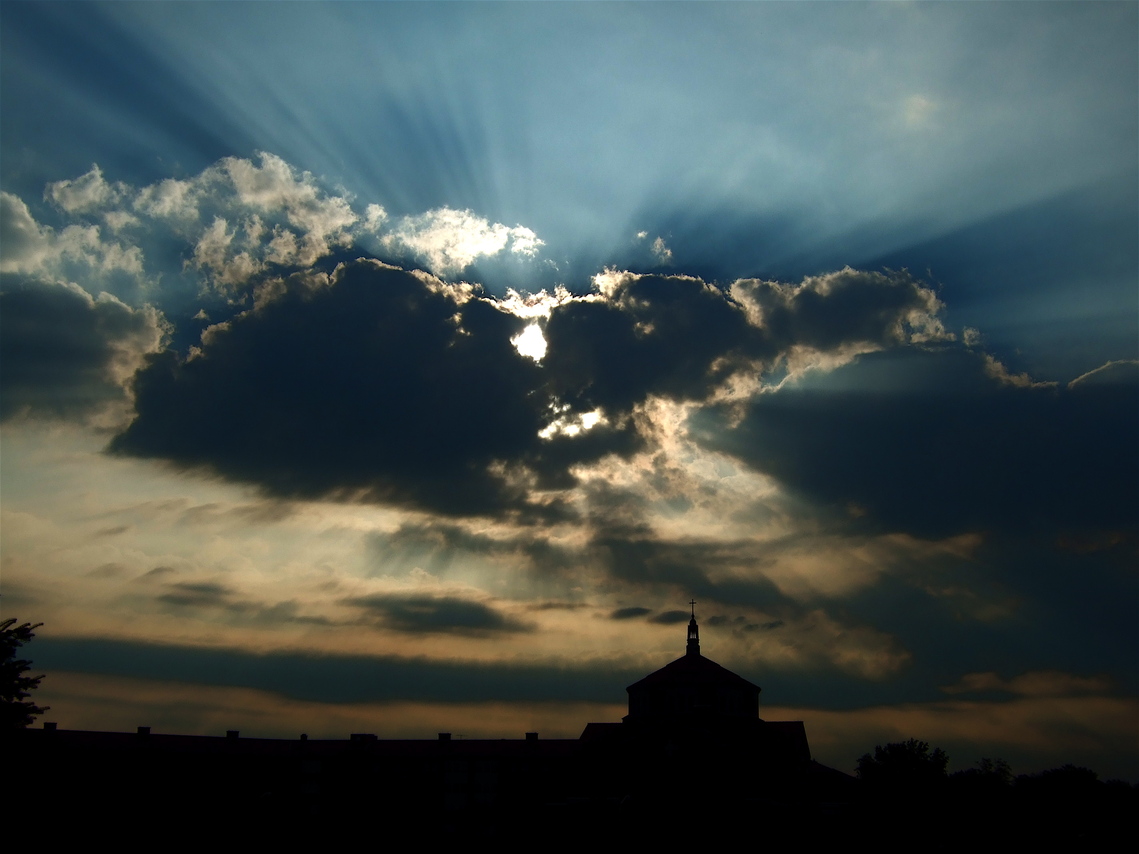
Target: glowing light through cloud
[[530, 342], [571, 424]]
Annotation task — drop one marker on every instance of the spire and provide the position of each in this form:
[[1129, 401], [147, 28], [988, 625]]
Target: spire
[[693, 633]]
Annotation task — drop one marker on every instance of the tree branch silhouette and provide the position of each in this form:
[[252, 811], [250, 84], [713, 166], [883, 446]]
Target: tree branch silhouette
[[16, 709]]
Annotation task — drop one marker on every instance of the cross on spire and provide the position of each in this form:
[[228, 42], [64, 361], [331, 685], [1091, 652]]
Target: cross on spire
[[693, 633]]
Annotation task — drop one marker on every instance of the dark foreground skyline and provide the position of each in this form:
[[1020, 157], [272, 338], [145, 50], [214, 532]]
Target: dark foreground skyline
[[692, 746], [369, 367]]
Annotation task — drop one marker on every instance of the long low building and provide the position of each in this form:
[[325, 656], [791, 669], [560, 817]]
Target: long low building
[[693, 736]]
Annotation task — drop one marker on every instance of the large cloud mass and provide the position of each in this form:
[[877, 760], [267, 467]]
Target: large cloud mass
[[377, 386], [66, 354], [846, 486], [371, 383], [388, 386], [931, 442]]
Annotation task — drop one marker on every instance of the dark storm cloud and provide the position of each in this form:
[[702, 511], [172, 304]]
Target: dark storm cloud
[[556, 606], [629, 613], [679, 337], [932, 442], [376, 387], [656, 335], [669, 618], [384, 386], [554, 458], [62, 352], [341, 678], [210, 595], [1014, 604], [197, 594], [742, 624], [414, 614], [846, 307]]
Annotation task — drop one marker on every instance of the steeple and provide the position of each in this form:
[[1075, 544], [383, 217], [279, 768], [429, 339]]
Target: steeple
[[693, 689], [693, 633]]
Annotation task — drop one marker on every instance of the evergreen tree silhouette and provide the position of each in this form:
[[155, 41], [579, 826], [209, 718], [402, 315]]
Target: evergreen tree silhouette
[[16, 710]]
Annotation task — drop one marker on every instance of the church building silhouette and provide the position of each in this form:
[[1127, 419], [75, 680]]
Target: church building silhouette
[[693, 702], [691, 719], [698, 719], [693, 685]]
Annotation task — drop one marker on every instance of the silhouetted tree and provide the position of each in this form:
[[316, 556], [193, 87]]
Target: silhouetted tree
[[1064, 783], [988, 779], [993, 769], [904, 766], [992, 772], [16, 710]]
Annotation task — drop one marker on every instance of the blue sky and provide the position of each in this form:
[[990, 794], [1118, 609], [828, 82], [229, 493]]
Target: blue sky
[[756, 139], [842, 323]]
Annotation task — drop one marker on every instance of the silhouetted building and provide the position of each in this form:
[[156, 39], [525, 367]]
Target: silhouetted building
[[691, 720], [693, 686], [693, 717]]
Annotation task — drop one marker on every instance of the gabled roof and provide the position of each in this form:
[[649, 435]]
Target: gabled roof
[[693, 669]]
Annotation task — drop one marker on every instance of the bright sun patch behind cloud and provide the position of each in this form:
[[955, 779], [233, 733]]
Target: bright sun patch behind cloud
[[530, 342]]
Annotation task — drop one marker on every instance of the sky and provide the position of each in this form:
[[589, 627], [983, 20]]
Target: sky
[[404, 368]]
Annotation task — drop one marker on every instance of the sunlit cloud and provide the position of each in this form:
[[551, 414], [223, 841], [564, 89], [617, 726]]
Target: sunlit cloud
[[30, 247], [87, 192], [536, 304], [571, 424], [448, 241]]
